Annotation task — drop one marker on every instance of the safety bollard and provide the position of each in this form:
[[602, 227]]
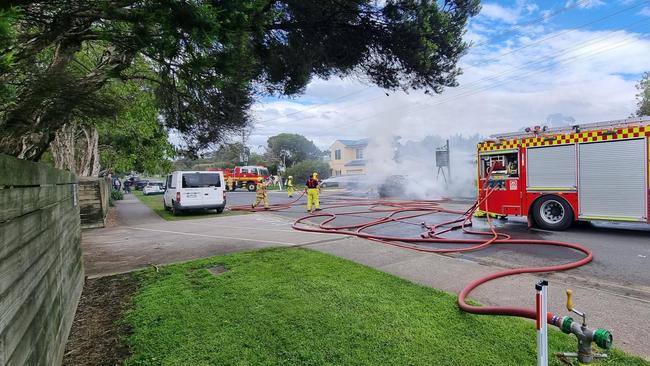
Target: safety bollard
[[542, 326]]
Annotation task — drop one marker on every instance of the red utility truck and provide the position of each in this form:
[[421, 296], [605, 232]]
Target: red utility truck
[[596, 171], [245, 176]]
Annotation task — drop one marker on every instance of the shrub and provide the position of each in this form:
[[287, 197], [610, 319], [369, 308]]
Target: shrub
[[117, 195], [302, 170]]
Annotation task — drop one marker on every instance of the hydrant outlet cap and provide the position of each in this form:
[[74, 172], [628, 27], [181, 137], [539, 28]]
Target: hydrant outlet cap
[[603, 338]]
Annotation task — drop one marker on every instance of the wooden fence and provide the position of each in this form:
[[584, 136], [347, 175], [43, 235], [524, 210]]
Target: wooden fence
[[41, 270], [93, 201]]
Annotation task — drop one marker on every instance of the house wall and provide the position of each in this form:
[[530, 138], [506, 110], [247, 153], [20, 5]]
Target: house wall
[[347, 155]]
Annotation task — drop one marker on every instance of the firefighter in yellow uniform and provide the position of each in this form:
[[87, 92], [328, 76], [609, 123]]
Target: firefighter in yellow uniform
[[290, 189], [312, 188], [230, 183], [261, 195]]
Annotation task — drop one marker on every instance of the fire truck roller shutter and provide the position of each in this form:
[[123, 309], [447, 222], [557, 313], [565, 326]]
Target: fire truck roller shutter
[[613, 180], [551, 168]]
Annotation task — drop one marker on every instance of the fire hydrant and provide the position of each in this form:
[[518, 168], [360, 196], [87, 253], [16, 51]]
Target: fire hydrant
[[602, 337]]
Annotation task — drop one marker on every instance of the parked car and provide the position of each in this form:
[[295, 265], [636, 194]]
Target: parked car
[[190, 190], [139, 184], [153, 188]]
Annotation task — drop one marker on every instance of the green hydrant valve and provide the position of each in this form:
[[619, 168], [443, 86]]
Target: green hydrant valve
[[603, 338], [566, 324]]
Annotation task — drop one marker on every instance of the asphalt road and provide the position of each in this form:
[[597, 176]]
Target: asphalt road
[[621, 251]]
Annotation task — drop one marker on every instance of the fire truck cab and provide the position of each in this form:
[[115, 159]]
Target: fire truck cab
[[596, 171]]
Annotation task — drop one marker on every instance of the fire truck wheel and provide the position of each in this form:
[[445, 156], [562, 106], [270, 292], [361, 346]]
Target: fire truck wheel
[[251, 186], [552, 213]]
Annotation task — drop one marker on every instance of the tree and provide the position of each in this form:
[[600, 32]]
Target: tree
[[643, 98], [302, 171], [211, 58], [291, 148], [134, 140]]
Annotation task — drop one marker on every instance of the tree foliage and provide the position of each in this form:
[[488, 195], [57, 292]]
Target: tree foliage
[[643, 98], [302, 171], [292, 148], [210, 58], [134, 139]]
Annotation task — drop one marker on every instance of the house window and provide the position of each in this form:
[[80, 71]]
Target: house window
[[359, 153], [337, 154]]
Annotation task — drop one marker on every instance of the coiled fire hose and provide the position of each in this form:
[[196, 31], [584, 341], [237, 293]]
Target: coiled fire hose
[[403, 210]]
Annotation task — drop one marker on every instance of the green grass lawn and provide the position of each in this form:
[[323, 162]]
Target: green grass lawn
[[155, 202], [300, 307]]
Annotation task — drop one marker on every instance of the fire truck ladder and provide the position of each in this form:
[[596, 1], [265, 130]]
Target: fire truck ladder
[[621, 123]]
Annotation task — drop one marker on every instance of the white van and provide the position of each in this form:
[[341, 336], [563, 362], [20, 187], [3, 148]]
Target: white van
[[189, 190]]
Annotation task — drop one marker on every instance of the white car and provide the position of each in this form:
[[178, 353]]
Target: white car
[[190, 190], [153, 188]]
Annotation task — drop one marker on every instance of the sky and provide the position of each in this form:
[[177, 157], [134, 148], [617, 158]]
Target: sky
[[573, 60]]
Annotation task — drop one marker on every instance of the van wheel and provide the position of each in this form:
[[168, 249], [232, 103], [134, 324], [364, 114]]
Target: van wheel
[[251, 186], [219, 210], [167, 208], [552, 213], [175, 211]]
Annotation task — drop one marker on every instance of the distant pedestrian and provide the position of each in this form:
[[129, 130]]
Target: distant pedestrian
[[117, 184], [127, 186]]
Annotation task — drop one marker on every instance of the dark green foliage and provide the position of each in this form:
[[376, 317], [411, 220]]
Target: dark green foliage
[[302, 171], [117, 195], [134, 139], [209, 59], [643, 98], [291, 148]]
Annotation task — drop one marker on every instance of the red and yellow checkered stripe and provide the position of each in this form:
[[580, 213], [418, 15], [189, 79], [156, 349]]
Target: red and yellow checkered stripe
[[565, 139]]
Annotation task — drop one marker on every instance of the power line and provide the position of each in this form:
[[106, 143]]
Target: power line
[[485, 88]]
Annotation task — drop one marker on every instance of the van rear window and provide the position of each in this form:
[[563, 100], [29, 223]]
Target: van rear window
[[198, 180]]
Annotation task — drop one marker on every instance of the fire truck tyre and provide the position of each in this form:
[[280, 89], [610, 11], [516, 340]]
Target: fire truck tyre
[[251, 186], [552, 213]]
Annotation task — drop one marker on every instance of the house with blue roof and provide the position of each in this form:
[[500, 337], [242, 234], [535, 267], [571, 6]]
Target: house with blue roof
[[348, 157]]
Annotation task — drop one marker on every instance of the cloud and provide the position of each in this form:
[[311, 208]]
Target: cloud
[[588, 75], [584, 4], [645, 11], [509, 15]]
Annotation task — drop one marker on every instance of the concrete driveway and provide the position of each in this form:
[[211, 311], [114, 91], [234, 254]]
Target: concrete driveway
[[143, 239]]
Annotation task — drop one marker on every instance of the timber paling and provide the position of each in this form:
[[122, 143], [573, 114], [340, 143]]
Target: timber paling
[[41, 271]]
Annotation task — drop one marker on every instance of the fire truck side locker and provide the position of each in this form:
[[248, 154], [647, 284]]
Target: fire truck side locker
[[551, 168], [613, 180]]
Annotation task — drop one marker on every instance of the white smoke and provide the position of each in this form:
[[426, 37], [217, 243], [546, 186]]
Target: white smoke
[[413, 162]]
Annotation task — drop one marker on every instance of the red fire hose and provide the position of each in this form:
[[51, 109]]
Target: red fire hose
[[401, 211]]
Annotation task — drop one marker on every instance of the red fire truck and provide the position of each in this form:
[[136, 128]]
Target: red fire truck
[[245, 176], [555, 176]]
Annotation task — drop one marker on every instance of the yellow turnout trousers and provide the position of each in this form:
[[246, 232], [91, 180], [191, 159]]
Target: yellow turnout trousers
[[312, 197], [259, 197], [290, 191]]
